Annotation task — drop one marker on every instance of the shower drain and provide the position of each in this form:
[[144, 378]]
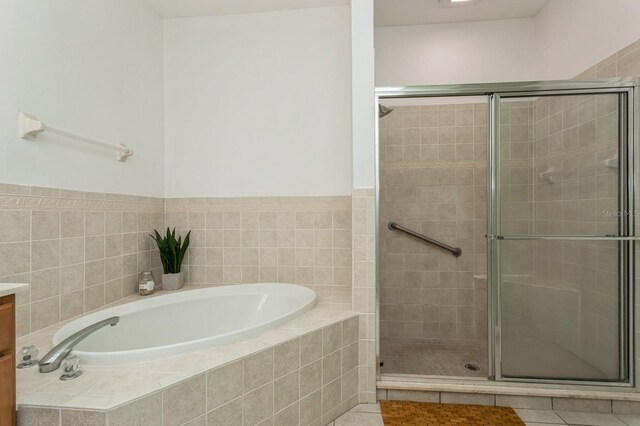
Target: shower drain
[[471, 367]]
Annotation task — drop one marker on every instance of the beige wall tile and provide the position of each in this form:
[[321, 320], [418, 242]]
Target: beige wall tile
[[257, 405], [94, 223], [466, 398], [331, 339], [331, 367], [71, 278], [45, 225], [94, 297], [45, 254], [310, 378], [113, 245], [113, 291], [113, 222], [146, 411], [224, 384], [14, 225], [258, 370], [286, 358], [94, 273], [419, 396], [45, 284], [311, 408], [331, 397], [38, 416], [94, 248], [53, 257], [83, 418], [286, 390], [71, 305], [228, 414], [184, 401], [288, 416], [129, 222], [45, 313], [310, 347], [72, 224]]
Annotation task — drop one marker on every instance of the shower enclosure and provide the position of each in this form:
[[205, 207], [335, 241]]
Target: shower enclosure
[[534, 184]]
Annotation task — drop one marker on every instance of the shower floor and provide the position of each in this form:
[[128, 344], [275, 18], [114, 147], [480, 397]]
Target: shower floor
[[433, 358]]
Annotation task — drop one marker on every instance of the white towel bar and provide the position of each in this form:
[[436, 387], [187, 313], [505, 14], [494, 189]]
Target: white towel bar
[[29, 127]]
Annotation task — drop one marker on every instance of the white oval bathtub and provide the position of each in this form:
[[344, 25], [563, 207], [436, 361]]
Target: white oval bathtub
[[175, 323]]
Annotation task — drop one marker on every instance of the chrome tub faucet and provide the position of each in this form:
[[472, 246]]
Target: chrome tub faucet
[[52, 360]]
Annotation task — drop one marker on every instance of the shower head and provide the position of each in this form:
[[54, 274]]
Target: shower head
[[383, 110]]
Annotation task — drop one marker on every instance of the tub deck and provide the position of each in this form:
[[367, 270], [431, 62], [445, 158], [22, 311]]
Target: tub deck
[[107, 389]]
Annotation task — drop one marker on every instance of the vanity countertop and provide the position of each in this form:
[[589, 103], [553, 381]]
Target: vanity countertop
[[10, 288]]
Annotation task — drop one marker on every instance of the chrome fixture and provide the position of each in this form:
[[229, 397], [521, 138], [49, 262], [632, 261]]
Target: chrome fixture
[[456, 251], [28, 356], [51, 361], [384, 110], [71, 368]]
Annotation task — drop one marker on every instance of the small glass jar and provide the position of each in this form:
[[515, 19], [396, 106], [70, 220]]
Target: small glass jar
[[146, 286]]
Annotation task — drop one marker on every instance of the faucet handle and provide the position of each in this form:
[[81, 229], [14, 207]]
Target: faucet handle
[[71, 368], [28, 357]]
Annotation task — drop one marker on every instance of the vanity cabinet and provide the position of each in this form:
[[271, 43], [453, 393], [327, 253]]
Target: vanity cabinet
[[7, 361]]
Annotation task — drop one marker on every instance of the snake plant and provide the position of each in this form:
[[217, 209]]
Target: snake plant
[[172, 251]]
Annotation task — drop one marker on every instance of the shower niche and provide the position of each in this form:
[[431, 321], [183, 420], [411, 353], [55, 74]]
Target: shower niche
[[533, 182]]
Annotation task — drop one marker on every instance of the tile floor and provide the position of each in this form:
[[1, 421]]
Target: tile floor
[[369, 415], [433, 359]]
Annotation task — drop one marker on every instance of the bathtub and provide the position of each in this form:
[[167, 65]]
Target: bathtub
[[172, 324]]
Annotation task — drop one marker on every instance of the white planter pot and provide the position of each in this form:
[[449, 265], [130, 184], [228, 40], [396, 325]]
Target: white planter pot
[[172, 282]]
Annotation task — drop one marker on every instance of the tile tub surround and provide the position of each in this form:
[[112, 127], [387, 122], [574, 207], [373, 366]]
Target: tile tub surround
[[299, 240], [304, 372], [78, 250], [364, 287]]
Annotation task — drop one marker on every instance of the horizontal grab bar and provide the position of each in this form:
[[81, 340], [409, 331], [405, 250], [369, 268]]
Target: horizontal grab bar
[[456, 251]]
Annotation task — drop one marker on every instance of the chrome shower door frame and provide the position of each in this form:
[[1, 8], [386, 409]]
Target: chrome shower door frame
[[627, 137], [628, 132]]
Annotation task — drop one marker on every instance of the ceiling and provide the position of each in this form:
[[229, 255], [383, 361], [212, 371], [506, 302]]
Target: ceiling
[[421, 12], [189, 8]]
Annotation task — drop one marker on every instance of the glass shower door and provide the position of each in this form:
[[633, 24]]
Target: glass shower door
[[561, 234]]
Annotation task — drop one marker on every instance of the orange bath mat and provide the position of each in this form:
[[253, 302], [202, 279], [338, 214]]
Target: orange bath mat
[[406, 413]]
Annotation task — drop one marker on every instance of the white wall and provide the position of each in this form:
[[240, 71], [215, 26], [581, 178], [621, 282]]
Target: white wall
[[468, 52], [574, 35], [93, 67], [258, 104], [362, 89]]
